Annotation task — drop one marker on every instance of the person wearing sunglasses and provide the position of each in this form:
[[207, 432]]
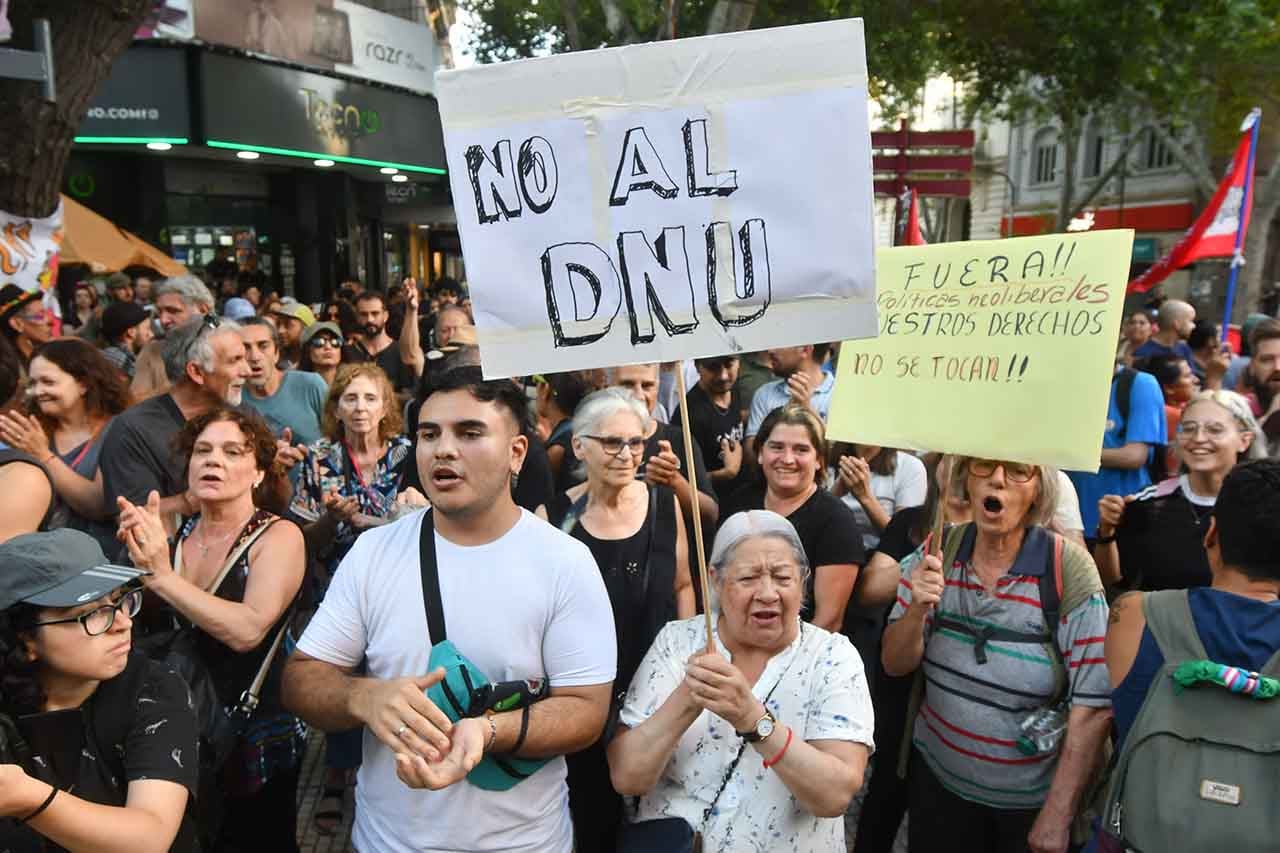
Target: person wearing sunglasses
[[1005, 628], [110, 758], [637, 536], [1154, 539], [23, 321], [205, 361], [322, 350]]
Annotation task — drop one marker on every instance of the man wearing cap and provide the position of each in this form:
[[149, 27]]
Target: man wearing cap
[[23, 320], [292, 319], [205, 361], [120, 761], [127, 329], [517, 598], [287, 399], [377, 346], [119, 287]]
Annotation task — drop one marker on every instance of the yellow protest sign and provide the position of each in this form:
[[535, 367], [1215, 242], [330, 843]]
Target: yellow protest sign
[[1000, 348]]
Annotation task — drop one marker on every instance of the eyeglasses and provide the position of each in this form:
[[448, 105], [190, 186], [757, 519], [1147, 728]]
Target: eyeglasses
[[39, 319], [614, 445], [208, 323], [99, 620], [1017, 472], [1191, 429], [324, 341]]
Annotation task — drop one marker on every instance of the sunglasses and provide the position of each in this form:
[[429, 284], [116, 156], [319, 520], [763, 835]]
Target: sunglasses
[[325, 341]]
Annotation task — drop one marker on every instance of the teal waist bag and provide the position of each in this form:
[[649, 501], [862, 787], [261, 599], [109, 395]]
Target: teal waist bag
[[462, 692]]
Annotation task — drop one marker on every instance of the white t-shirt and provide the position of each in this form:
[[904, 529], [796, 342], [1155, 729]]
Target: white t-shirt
[[821, 692], [528, 605], [1066, 515], [906, 486]]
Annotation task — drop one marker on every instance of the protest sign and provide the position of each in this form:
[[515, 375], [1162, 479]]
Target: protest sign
[[663, 201], [998, 348]]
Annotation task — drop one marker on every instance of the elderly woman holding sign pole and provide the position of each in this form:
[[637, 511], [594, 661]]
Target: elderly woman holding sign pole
[[1005, 628], [778, 756]]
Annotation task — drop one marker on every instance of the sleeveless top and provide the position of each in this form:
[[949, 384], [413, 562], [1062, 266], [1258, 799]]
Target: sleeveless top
[[234, 671], [639, 574], [1234, 629]]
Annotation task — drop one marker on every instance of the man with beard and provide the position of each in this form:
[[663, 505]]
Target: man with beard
[[292, 320], [377, 346], [127, 328], [1262, 381], [519, 598], [801, 380], [716, 421], [204, 360]]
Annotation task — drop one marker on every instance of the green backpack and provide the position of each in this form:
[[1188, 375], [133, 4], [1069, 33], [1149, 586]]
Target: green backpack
[[1200, 768]]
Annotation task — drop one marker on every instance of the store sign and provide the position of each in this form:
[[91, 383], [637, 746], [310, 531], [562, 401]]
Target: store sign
[[332, 35], [1145, 250], [253, 103], [145, 97]]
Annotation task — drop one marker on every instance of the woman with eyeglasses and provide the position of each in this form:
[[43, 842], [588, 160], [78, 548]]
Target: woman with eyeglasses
[[234, 573], [1004, 632], [1155, 539], [637, 536], [791, 447], [110, 735], [322, 350]]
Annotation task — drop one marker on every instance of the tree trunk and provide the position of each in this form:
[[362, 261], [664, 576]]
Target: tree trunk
[[1070, 155], [729, 16], [569, 8], [668, 29], [617, 23], [35, 139]]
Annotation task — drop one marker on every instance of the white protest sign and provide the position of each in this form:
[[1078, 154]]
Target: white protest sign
[[671, 200]]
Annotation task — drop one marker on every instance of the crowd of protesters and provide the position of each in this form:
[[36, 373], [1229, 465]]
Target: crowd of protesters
[[230, 521]]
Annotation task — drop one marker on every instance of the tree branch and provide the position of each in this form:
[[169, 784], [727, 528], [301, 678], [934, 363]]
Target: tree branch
[[618, 23], [1107, 175], [1195, 166]]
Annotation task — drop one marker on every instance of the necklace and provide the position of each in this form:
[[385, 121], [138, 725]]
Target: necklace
[[204, 545]]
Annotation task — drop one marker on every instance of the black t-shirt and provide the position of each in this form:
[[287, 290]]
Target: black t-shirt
[[562, 437], [138, 453], [534, 486], [1161, 539], [400, 374], [827, 528], [139, 725], [675, 435], [708, 424], [896, 539]]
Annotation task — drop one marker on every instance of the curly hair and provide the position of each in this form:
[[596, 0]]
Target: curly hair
[[20, 690], [391, 424], [106, 392], [274, 492]]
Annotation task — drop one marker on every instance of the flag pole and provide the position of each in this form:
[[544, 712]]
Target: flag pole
[[691, 474], [1237, 257]]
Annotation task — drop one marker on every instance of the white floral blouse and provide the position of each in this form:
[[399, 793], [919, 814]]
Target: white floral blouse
[[821, 692]]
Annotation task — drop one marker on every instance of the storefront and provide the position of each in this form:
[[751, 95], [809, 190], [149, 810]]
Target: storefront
[[301, 178]]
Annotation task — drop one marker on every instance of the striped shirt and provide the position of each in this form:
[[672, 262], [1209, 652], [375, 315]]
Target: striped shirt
[[968, 723]]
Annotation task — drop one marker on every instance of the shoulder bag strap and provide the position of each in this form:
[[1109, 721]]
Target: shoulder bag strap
[[232, 558], [431, 580], [249, 699], [1168, 614]]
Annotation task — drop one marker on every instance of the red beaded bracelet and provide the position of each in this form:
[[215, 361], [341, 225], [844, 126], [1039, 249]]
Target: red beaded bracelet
[[772, 761]]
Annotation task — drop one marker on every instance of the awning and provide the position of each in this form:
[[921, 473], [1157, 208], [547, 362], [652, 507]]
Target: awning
[[105, 247]]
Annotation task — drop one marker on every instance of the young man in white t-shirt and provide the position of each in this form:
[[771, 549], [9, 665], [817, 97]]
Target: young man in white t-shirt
[[521, 600]]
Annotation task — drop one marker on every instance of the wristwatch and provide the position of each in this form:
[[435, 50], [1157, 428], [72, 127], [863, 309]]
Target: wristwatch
[[763, 728]]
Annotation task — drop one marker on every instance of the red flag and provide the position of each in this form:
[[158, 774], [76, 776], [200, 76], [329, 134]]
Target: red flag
[[914, 236], [1213, 234]]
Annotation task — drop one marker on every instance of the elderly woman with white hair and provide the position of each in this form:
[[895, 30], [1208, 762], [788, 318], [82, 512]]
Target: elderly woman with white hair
[[636, 534], [1015, 698], [757, 745]]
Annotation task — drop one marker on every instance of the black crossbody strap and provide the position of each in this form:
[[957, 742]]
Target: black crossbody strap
[[431, 580]]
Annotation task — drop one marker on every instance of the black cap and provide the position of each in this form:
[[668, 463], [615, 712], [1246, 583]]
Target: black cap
[[13, 297], [119, 317], [59, 568]]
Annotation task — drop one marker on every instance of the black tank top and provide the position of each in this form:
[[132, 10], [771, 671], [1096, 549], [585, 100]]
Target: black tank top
[[639, 574]]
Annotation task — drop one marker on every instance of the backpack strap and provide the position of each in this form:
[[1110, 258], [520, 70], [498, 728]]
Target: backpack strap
[[431, 580], [1168, 615]]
